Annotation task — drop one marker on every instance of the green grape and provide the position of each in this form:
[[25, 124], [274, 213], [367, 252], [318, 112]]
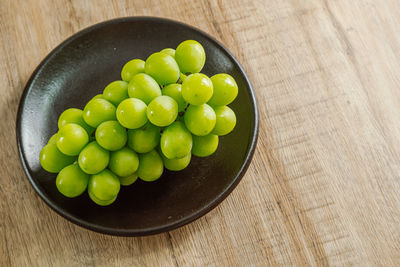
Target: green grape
[[162, 111], [74, 115], [169, 51], [162, 67], [93, 158], [72, 181], [71, 139], [174, 90], [128, 180], [104, 185], [150, 166], [101, 202], [124, 162], [197, 89], [131, 113], [52, 160], [98, 110], [176, 164], [116, 92], [182, 78], [53, 139], [98, 96], [145, 139], [204, 146], [225, 120], [176, 141], [131, 68], [225, 90], [111, 135], [190, 56], [144, 87], [200, 120]]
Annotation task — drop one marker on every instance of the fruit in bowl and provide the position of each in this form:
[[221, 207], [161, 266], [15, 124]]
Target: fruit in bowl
[[163, 111]]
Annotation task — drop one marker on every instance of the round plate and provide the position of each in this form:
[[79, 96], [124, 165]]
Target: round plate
[[81, 67]]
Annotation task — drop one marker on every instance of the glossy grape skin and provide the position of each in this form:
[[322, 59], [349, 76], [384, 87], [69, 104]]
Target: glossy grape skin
[[225, 120], [98, 96], [104, 185], [176, 164], [204, 146], [143, 87], [169, 51], [53, 139], [111, 135], [116, 92], [163, 68], [131, 68], [162, 111], [145, 139], [72, 181], [52, 160], [197, 89], [190, 56], [128, 180], [101, 202], [131, 113], [151, 166], [71, 139], [97, 111], [93, 158], [225, 90], [176, 141], [74, 115], [174, 90], [200, 120], [124, 162]]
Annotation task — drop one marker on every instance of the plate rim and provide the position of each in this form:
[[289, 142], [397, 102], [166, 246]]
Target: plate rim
[[151, 230]]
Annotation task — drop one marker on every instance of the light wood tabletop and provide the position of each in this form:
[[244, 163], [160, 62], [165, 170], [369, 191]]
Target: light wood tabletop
[[324, 185]]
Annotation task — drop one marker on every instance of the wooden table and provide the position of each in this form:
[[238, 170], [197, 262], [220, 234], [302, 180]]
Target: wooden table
[[324, 185]]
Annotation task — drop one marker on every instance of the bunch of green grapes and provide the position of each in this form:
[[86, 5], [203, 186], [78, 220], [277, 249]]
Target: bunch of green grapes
[[161, 113]]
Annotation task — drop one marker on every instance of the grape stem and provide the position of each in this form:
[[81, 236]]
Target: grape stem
[[186, 107]]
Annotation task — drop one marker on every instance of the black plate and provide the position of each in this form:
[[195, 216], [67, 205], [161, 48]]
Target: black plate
[[80, 68]]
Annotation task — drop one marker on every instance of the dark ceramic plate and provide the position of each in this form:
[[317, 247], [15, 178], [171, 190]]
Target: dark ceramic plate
[[80, 68]]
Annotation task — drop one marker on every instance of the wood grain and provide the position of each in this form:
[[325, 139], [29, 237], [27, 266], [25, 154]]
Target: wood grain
[[323, 188]]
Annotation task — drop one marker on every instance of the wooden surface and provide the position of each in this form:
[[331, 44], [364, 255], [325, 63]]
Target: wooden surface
[[324, 185]]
